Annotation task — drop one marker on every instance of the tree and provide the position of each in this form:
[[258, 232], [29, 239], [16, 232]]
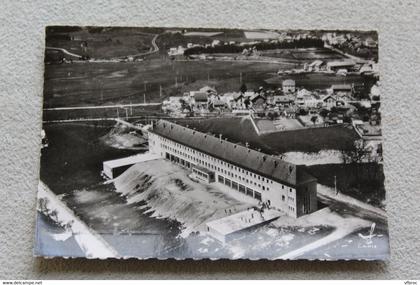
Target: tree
[[357, 153], [323, 113], [272, 115], [302, 112]]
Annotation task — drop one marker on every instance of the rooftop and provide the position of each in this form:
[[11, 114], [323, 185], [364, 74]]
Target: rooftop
[[249, 159], [130, 160]]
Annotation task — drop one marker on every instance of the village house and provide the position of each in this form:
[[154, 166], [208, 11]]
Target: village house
[[307, 99]]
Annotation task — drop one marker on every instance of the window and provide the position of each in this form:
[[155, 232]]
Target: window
[[283, 198], [290, 190], [257, 195], [221, 179], [241, 188]]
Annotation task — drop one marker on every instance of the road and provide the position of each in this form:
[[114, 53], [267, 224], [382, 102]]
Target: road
[[348, 215], [154, 50], [102, 107]]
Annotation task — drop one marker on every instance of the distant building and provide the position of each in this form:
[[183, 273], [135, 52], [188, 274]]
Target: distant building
[[266, 179], [288, 86], [337, 65]]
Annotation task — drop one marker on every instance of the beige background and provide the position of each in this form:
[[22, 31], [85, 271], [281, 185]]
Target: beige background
[[21, 78]]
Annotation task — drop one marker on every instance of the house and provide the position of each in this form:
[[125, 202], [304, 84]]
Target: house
[[248, 173], [288, 86], [369, 42], [200, 99], [307, 99], [258, 100], [215, 43], [284, 100], [329, 101], [341, 89]]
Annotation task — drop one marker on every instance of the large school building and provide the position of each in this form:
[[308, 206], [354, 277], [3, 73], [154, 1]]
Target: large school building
[[264, 178]]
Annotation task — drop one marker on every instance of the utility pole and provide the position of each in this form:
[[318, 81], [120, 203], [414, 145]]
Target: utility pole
[[240, 77], [335, 184], [144, 98], [126, 113], [160, 91], [118, 113]]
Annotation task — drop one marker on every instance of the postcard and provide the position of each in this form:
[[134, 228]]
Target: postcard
[[211, 144]]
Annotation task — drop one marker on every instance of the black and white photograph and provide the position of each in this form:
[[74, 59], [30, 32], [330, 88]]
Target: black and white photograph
[[205, 143]]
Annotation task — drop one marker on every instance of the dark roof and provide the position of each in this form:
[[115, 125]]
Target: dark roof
[[252, 160]]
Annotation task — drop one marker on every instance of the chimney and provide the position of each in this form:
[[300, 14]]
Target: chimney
[[220, 137], [247, 145]]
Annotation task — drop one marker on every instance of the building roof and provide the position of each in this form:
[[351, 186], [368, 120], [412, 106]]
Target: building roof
[[200, 96], [252, 160], [130, 160], [288, 82]]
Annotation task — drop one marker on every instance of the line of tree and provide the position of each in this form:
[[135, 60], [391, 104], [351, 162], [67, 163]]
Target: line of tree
[[235, 48]]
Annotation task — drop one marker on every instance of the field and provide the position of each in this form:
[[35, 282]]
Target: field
[[240, 130], [308, 55], [84, 84]]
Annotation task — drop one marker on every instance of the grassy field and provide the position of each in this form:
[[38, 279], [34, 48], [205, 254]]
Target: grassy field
[[364, 182], [307, 55], [306, 140], [82, 84]]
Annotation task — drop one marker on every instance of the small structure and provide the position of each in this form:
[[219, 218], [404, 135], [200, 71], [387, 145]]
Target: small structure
[[113, 168], [203, 174]]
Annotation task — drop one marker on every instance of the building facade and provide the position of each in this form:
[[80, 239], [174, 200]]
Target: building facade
[[252, 174]]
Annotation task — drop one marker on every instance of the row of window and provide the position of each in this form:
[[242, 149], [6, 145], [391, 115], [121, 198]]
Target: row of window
[[223, 167], [239, 187]]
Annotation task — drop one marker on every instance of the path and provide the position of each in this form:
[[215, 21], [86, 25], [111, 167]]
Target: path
[[102, 107], [154, 50], [64, 51]]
